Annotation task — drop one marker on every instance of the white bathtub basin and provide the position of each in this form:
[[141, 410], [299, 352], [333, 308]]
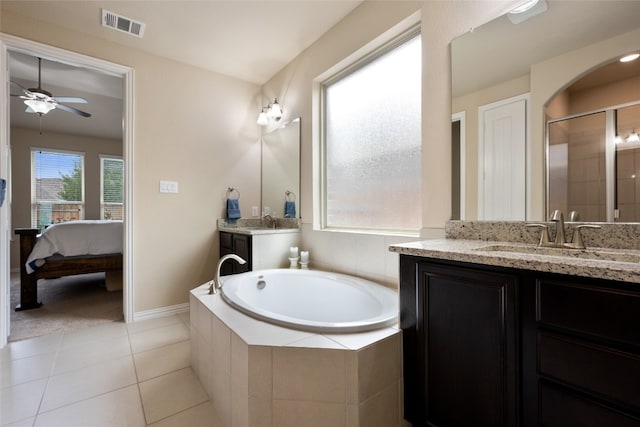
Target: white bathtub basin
[[312, 300]]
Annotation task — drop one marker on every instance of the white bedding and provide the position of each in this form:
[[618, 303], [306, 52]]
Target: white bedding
[[76, 238]]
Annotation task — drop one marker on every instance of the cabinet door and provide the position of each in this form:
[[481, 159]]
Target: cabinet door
[[239, 244], [469, 353], [242, 248]]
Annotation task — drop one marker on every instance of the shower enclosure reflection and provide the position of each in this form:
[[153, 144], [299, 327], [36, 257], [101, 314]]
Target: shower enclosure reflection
[[593, 162]]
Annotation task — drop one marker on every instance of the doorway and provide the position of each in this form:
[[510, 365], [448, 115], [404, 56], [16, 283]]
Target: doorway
[[9, 44]]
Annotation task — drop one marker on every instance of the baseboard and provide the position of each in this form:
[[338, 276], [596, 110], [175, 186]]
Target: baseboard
[[160, 312]]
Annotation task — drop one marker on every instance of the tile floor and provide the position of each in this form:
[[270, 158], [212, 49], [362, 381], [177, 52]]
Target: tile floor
[[109, 375]]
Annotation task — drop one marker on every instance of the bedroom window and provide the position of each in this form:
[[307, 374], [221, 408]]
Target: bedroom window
[[111, 187], [57, 187], [372, 142]]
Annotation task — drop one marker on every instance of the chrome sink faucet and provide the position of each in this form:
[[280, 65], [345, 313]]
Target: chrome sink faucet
[[215, 284], [272, 221], [560, 240]]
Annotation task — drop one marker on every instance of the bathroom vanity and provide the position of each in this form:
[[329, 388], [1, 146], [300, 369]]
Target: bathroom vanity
[[262, 247], [502, 335]]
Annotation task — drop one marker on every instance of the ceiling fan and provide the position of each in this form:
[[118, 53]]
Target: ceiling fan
[[40, 101]]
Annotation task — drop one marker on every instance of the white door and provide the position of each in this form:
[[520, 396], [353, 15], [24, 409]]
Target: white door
[[502, 144]]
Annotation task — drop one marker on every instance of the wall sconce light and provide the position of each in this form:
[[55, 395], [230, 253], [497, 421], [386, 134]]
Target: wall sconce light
[[272, 111], [633, 137]]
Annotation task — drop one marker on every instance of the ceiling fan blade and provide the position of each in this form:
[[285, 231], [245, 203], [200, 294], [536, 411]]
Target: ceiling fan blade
[[72, 110], [22, 89], [71, 99]]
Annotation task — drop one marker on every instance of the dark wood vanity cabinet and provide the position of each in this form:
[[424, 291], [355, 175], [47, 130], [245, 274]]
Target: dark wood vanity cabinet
[[239, 244], [489, 346]]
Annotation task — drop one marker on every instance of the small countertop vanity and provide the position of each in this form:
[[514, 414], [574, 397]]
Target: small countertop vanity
[[504, 333], [262, 242]]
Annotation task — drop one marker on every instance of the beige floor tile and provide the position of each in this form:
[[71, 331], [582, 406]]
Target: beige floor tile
[[72, 358], [74, 386], [18, 371], [20, 401], [86, 336], [202, 415], [121, 408], [171, 393], [158, 322], [158, 337], [160, 361], [31, 347]]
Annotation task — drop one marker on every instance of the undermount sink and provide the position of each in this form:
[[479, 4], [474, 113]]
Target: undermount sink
[[593, 254]]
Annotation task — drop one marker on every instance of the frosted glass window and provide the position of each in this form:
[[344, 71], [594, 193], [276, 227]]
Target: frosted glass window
[[373, 143]]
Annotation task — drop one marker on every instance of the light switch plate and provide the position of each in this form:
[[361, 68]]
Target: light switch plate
[[254, 211], [168, 186]]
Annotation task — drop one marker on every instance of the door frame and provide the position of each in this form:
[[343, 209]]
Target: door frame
[[10, 43]]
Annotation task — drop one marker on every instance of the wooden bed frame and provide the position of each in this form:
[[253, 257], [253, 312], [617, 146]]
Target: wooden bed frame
[[56, 266]]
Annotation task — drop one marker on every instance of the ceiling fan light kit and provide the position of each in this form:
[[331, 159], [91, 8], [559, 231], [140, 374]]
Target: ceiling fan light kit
[[41, 102]]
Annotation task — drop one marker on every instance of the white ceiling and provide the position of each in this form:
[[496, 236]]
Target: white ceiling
[[248, 39], [500, 50]]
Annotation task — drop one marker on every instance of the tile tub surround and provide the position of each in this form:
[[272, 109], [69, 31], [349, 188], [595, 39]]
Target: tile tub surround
[[259, 374], [610, 235]]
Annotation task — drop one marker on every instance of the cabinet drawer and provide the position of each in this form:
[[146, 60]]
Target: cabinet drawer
[[560, 407], [610, 374], [600, 312]]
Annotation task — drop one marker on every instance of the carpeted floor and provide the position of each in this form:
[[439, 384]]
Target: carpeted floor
[[68, 303]]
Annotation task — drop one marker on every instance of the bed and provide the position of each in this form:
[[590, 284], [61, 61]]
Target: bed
[[65, 249]]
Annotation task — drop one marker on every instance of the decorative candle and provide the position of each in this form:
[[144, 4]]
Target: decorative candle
[[304, 256], [294, 251]]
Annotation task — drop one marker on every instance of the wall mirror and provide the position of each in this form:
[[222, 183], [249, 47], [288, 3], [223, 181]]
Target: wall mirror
[[281, 169], [545, 63]]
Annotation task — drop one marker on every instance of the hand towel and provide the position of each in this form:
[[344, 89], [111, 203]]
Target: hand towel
[[289, 209], [233, 210]]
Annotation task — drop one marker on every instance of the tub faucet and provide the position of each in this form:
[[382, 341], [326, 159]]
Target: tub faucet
[[215, 283]]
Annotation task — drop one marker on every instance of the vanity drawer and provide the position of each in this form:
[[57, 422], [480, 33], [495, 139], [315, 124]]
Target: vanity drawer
[[561, 408], [600, 312], [610, 374]]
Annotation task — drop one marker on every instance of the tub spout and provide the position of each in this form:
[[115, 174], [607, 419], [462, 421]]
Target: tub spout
[[215, 283]]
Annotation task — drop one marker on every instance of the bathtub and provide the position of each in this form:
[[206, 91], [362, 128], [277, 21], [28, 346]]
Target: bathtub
[[312, 300]]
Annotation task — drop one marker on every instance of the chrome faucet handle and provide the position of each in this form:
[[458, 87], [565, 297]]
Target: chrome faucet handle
[[577, 241], [544, 233]]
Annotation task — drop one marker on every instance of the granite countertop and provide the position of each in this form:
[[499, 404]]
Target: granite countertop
[[254, 226], [528, 257]]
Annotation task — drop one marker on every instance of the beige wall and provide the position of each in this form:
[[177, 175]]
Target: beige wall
[[22, 140], [180, 135]]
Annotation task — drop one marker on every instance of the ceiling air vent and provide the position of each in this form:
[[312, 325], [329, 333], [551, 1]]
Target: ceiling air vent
[[120, 23]]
